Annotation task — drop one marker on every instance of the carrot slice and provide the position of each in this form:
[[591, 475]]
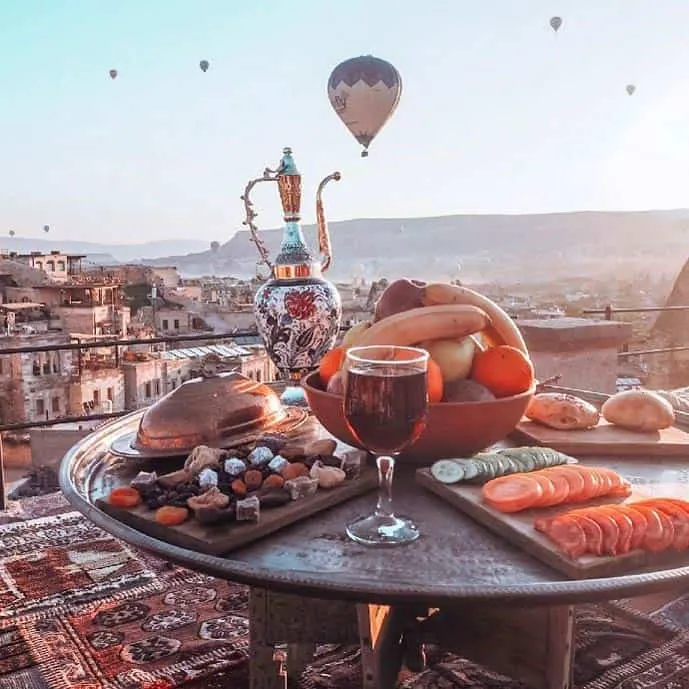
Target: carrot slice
[[657, 540], [512, 493], [575, 479], [549, 491], [560, 485], [656, 524], [593, 533], [591, 483], [604, 482], [568, 535]]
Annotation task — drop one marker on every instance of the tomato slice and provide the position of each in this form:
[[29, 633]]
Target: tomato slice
[[661, 536], [593, 533], [575, 479], [624, 525], [605, 482], [512, 493], [609, 528], [568, 535], [679, 518], [640, 524]]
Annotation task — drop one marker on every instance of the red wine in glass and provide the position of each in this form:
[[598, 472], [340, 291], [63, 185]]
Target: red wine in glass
[[386, 407]]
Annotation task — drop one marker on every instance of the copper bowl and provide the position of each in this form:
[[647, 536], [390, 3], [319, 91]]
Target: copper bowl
[[454, 429], [208, 411]]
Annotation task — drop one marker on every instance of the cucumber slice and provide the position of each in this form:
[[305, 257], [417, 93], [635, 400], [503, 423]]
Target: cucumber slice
[[470, 467], [447, 471], [523, 459]]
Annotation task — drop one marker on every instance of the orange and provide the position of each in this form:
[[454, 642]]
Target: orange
[[330, 364], [434, 382], [504, 370]]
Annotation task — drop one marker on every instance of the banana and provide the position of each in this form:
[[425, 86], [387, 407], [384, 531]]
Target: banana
[[450, 321], [438, 293], [351, 337]]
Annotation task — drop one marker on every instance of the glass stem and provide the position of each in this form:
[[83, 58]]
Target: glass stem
[[386, 470]]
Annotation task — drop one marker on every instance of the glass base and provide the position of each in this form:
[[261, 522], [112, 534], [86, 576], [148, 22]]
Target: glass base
[[381, 530], [293, 396]]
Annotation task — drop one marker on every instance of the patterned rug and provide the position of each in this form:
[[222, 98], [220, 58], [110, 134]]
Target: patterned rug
[[81, 610]]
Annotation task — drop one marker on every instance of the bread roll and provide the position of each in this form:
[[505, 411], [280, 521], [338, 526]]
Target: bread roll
[[639, 410], [562, 411]]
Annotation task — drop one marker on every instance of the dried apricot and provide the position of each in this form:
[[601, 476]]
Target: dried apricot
[[294, 470], [238, 487], [274, 481], [253, 479], [125, 496], [169, 515]]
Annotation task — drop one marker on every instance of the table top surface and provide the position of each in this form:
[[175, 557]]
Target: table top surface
[[455, 559]]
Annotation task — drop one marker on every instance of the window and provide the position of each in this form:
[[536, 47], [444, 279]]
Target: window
[[165, 324], [40, 407], [56, 405], [50, 265], [111, 394], [157, 386], [173, 385], [176, 324], [2, 366], [96, 397], [258, 375], [56, 362], [147, 389], [61, 266], [37, 366], [46, 365], [39, 265]]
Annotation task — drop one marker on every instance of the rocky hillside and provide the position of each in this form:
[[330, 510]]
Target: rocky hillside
[[478, 246]]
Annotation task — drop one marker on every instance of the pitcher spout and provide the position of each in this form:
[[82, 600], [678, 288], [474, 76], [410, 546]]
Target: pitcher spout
[[324, 244]]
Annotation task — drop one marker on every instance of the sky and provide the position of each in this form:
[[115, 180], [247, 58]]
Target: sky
[[498, 114]]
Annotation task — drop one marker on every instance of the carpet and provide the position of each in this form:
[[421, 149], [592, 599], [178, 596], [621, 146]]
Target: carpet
[[82, 610]]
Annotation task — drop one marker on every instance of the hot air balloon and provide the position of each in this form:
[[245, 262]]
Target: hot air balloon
[[630, 89], [364, 92], [203, 65], [12, 233], [46, 228], [113, 74], [215, 246], [555, 23]]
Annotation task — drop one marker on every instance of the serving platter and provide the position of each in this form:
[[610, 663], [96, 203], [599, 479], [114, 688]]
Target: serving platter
[[649, 479]]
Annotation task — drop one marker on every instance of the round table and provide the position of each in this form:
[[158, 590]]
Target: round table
[[457, 566]]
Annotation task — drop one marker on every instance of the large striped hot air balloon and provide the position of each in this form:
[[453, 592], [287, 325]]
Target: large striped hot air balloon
[[364, 92]]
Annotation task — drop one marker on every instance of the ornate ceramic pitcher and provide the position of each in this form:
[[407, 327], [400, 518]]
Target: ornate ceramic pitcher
[[297, 312]]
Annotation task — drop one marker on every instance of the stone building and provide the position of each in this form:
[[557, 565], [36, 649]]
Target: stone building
[[34, 386], [58, 266]]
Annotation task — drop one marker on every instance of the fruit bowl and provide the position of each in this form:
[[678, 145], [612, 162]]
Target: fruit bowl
[[454, 429]]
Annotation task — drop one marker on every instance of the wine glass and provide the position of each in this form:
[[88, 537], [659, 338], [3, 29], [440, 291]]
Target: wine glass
[[386, 407]]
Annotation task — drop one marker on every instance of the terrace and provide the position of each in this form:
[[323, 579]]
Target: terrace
[[584, 353]]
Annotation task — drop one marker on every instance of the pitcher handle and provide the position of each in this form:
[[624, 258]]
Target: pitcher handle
[[324, 245], [251, 215]]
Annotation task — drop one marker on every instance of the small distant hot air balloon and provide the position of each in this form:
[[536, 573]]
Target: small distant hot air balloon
[[113, 74], [12, 233], [215, 246], [630, 89], [46, 228], [204, 65], [364, 92], [555, 23]]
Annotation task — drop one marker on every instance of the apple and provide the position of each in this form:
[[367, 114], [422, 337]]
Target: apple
[[400, 295], [454, 357]]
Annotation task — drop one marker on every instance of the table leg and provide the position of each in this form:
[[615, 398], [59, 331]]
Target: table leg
[[299, 655], [264, 671], [380, 631], [534, 645]]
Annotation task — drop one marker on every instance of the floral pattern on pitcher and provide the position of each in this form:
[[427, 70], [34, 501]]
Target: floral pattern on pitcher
[[298, 323]]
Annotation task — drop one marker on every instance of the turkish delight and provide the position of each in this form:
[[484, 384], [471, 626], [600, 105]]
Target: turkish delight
[[248, 509], [301, 487]]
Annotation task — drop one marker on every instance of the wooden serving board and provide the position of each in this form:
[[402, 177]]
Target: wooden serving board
[[605, 440], [223, 538], [518, 529]]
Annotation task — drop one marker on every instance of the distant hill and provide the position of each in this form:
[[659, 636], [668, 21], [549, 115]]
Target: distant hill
[[105, 253], [537, 247]]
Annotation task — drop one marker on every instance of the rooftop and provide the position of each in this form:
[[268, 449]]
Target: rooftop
[[224, 350]]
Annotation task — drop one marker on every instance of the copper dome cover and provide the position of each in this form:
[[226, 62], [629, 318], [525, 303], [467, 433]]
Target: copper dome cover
[[212, 411]]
